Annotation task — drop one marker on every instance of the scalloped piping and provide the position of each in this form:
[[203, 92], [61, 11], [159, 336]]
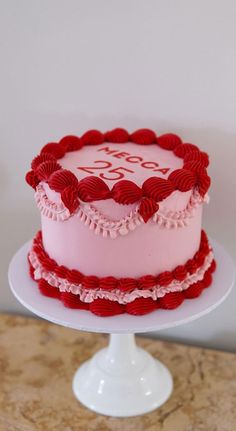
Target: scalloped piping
[[89, 295], [100, 224]]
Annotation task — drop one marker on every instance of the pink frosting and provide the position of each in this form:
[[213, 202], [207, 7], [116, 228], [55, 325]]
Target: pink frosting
[[149, 248]]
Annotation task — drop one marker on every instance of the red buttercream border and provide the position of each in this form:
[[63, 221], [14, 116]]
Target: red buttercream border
[[138, 307], [193, 174], [123, 284]]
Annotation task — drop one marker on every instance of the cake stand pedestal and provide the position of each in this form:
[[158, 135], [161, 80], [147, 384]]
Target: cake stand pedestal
[[121, 380]]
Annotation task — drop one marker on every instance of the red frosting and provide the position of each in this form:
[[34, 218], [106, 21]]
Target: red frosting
[[147, 208], [157, 188], [92, 137], [119, 136], [70, 199], [183, 149], [126, 192], [193, 174], [55, 149], [140, 306], [61, 179], [92, 189], [183, 179], [46, 169], [143, 137], [171, 300], [71, 143], [32, 179], [197, 156], [40, 159], [169, 141]]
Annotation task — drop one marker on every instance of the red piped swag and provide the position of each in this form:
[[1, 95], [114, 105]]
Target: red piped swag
[[92, 188]]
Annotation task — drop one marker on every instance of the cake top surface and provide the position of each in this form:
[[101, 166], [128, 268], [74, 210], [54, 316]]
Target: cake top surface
[[113, 162]]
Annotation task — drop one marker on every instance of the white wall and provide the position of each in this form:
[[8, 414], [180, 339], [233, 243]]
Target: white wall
[[70, 65]]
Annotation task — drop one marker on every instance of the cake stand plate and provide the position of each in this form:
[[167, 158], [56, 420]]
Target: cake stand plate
[[122, 379]]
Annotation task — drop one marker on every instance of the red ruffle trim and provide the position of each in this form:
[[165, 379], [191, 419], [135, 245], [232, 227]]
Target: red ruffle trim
[[92, 188], [105, 307], [138, 307]]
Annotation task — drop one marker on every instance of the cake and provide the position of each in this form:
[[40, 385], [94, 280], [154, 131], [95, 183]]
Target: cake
[[121, 218]]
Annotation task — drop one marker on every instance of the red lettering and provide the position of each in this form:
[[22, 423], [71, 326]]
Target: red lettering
[[164, 170], [149, 165], [107, 150], [134, 159], [121, 155]]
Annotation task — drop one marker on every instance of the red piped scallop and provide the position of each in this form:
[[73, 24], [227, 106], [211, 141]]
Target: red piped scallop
[[197, 156], [183, 179], [169, 141], [74, 276], [31, 271], [92, 137], [191, 266], [45, 169], [171, 300], [179, 273], [69, 197], [213, 266], [204, 183], [104, 307], [147, 282], [47, 290], [58, 151], [143, 137], [73, 301], [126, 192], [164, 278], [32, 179], [157, 188], [207, 279], [108, 283], [118, 136], [71, 143], [91, 282], [148, 208], [44, 157], [194, 290], [93, 189], [61, 179], [127, 284], [195, 166], [183, 149], [141, 306], [61, 271]]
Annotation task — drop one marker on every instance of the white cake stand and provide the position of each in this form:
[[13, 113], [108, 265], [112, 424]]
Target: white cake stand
[[122, 379]]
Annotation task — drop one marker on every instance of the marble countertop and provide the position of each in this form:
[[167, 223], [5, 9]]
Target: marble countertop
[[38, 360]]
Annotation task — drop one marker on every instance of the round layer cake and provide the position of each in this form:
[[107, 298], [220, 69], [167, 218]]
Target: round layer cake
[[121, 219]]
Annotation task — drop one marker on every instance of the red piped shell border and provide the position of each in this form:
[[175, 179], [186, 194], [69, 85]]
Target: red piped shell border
[[193, 174], [140, 305]]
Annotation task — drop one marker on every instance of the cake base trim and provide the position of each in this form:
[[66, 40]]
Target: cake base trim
[[185, 280], [89, 295]]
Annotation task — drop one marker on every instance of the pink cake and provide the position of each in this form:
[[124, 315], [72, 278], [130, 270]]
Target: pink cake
[[121, 219]]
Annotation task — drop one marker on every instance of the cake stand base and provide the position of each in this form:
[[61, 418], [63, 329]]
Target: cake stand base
[[121, 380]]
